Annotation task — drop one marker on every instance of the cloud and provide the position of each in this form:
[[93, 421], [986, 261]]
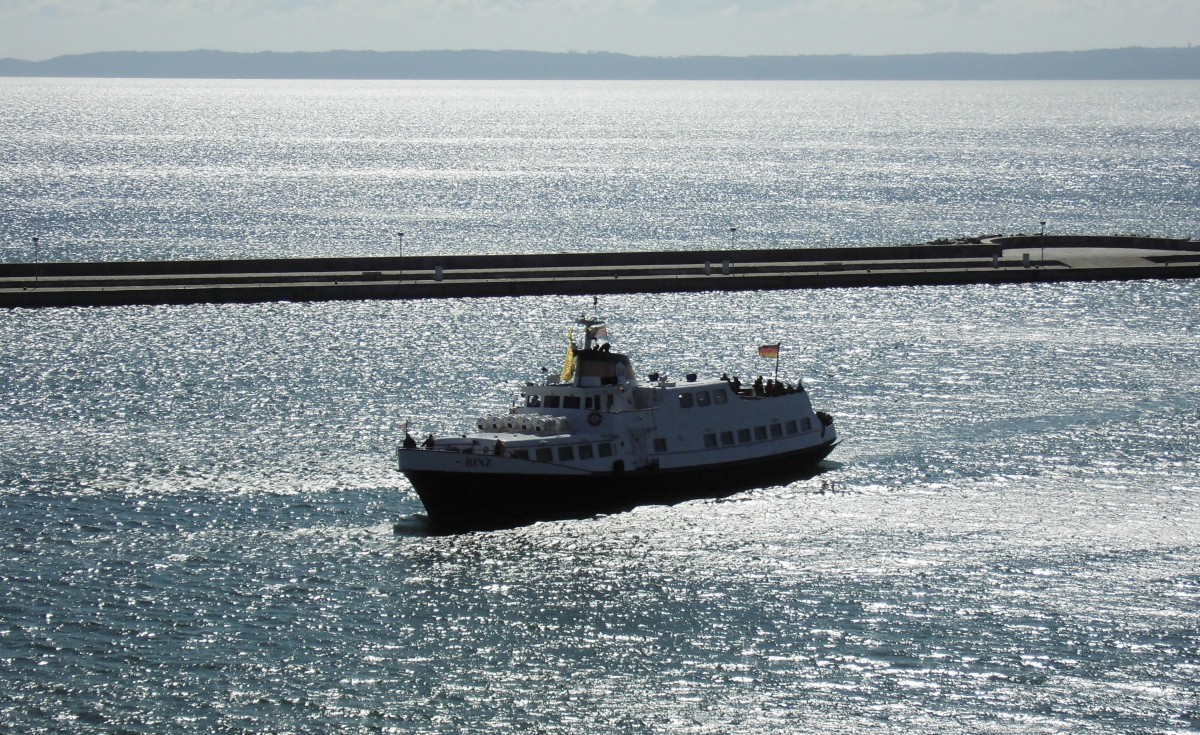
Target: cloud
[[685, 8]]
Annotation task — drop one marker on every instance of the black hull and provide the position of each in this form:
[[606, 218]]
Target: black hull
[[474, 501]]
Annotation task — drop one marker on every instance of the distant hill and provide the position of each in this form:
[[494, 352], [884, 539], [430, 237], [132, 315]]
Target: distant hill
[[1126, 63]]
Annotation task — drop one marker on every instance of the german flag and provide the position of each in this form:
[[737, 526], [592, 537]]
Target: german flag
[[771, 352]]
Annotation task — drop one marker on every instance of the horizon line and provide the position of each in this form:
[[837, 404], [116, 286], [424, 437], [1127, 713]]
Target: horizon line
[[573, 52]]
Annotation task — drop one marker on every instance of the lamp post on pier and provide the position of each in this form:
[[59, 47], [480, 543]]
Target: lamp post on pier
[[400, 239], [1042, 240]]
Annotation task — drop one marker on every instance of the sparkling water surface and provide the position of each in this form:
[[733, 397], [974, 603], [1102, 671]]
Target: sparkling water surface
[[167, 169], [203, 530]]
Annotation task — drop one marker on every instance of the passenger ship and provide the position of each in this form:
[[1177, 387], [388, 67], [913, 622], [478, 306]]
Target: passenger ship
[[596, 439]]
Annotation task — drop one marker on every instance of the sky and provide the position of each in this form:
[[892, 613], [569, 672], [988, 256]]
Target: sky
[[42, 29]]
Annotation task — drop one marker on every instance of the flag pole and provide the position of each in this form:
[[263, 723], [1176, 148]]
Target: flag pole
[[771, 351]]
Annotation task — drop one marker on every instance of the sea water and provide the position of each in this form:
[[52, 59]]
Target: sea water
[[203, 530]]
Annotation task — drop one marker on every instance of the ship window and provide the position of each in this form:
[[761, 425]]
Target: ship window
[[703, 398], [520, 454], [544, 454], [592, 403], [533, 401], [605, 449], [585, 451], [743, 435], [552, 401], [566, 454], [776, 431], [570, 401], [726, 438], [685, 400], [760, 433], [791, 428], [807, 424], [660, 444], [710, 441], [720, 395]]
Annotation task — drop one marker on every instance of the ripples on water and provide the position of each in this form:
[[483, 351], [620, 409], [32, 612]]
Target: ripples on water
[[197, 504], [161, 169]]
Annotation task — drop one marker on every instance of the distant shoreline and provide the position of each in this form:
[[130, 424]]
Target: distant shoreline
[[1102, 64]]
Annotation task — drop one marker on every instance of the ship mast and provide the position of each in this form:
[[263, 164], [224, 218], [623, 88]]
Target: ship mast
[[590, 325]]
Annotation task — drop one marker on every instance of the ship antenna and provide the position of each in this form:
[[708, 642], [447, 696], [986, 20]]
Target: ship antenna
[[588, 324]]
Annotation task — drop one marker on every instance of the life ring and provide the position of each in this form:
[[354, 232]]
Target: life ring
[[594, 418]]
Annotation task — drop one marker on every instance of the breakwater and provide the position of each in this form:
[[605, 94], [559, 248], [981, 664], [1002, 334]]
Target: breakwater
[[1018, 259]]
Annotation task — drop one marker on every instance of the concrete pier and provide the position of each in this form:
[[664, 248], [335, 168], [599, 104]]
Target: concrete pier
[[1019, 259]]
